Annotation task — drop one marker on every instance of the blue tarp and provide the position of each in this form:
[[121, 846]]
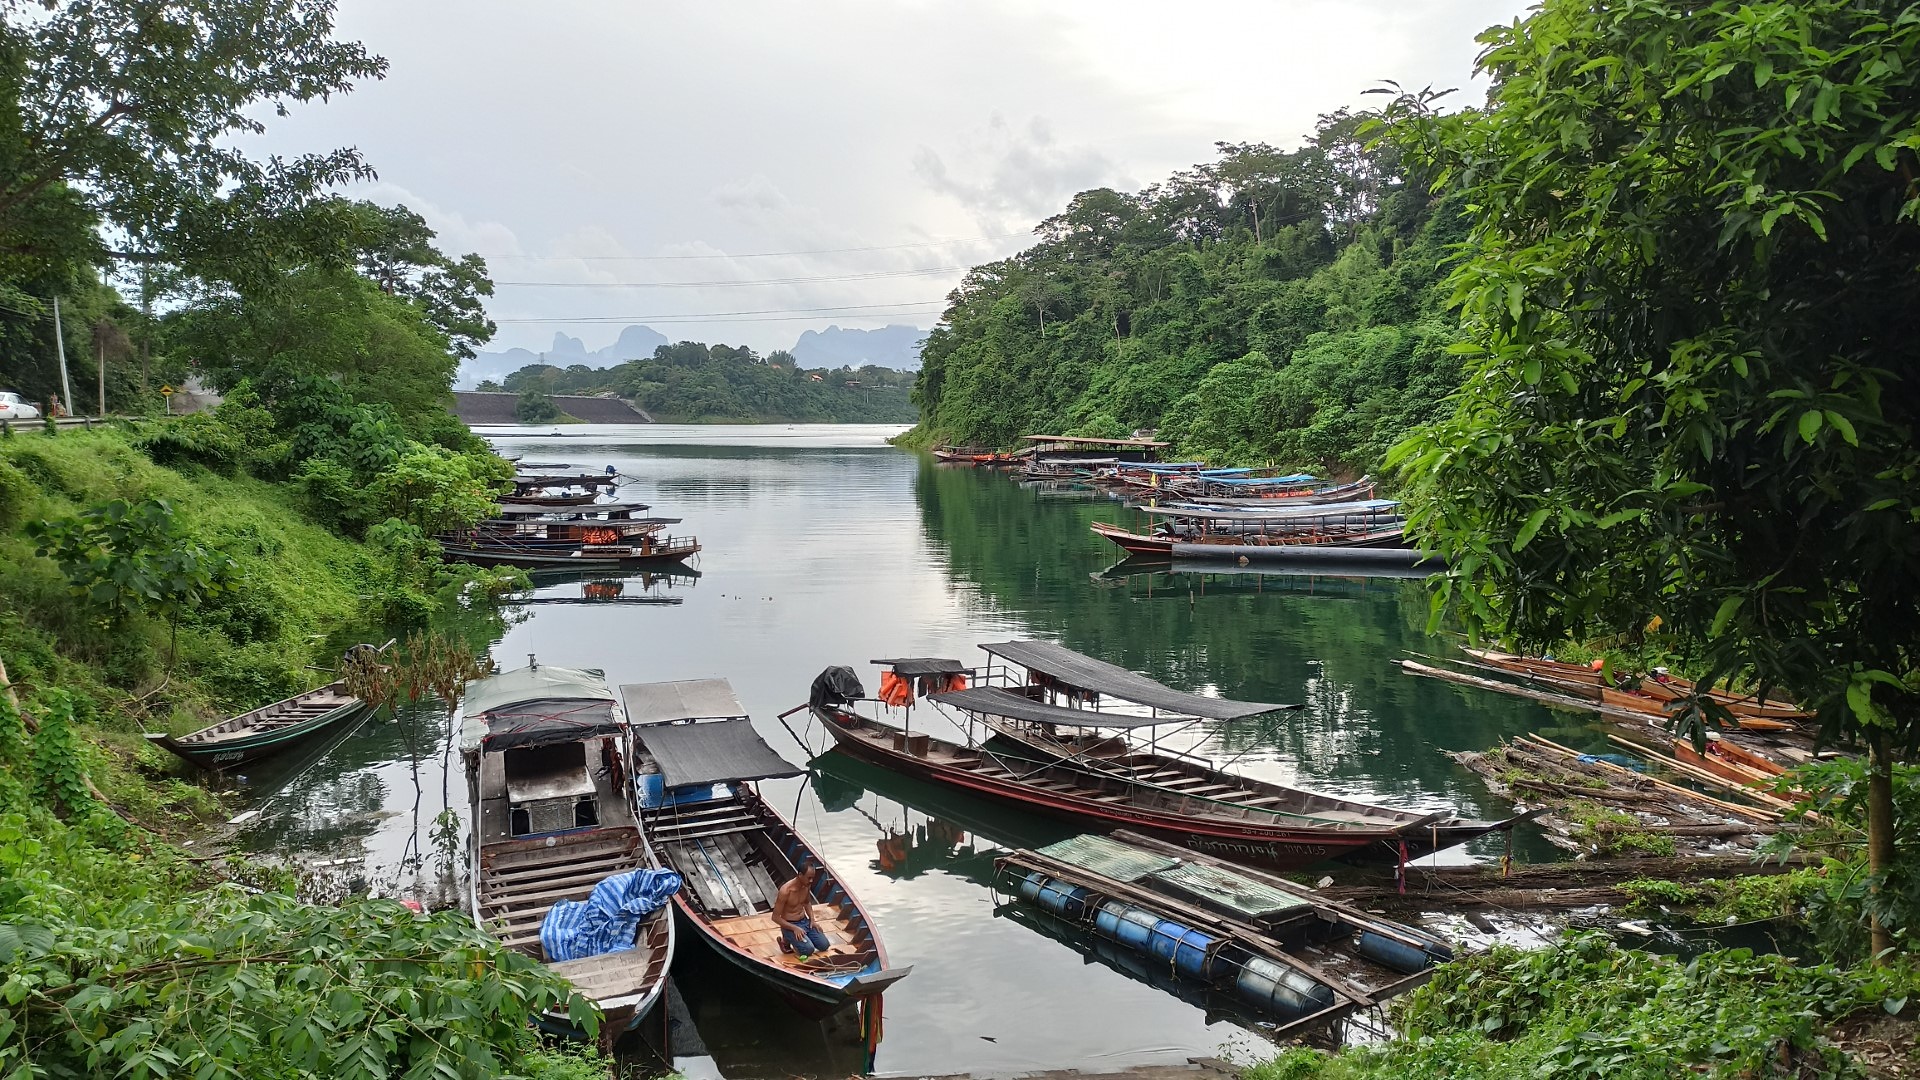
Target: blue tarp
[[606, 920]]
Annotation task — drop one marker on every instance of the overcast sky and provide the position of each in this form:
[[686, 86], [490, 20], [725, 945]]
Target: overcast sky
[[577, 143]]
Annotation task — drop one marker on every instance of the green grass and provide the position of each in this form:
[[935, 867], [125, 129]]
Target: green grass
[[299, 588]]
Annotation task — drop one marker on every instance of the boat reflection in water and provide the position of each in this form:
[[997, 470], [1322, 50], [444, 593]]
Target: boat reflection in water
[[568, 588], [924, 829]]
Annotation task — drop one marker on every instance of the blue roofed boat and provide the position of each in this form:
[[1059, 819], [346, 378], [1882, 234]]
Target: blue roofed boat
[[696, 762]]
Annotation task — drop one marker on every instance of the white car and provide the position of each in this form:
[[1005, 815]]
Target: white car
[[12, 407]]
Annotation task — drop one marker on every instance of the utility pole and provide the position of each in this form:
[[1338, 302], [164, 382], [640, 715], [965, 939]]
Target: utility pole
[[100, 347], [60, 347]]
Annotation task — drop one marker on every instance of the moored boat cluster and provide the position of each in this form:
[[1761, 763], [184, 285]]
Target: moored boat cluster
[[1193, 511]]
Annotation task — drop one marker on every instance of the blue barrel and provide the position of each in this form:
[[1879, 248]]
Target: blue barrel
[[1394, 953], [1184, 948], [1126, 924], [653, 790], [1286, 991], [1070, 901]]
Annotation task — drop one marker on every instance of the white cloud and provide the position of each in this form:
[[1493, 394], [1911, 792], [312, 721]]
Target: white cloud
[[673, 128]]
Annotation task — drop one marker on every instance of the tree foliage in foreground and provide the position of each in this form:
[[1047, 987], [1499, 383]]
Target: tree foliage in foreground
[[1694, 315]]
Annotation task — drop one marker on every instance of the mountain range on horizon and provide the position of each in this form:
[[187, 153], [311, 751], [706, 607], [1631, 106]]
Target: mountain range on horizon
[[895, 346]]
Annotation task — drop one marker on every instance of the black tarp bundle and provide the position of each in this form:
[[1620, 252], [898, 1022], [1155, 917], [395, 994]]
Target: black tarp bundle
[[835, 686]]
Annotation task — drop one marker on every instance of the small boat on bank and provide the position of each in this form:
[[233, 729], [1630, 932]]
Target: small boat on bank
[[546, 754], [284, 725], [696, 763]]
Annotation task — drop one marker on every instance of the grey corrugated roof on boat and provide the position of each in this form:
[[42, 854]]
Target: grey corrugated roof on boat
[[683, 699], [913, 667], [712, 753], [1086, 673], [997, 702], [1108, 858], [532, 706]]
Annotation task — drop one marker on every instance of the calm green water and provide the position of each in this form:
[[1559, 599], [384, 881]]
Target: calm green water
[[824, 546]]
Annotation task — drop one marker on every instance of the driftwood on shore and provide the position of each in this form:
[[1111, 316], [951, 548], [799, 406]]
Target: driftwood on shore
[[1578, 884], [1596, 806]]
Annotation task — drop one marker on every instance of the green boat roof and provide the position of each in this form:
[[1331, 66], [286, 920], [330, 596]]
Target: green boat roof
[[1217, 887]]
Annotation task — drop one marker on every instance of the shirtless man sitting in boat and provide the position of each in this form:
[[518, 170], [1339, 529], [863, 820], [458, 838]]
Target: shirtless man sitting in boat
[[793, 912]]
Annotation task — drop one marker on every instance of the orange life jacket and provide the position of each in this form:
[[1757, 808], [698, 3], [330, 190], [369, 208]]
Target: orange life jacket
[[895, 690]]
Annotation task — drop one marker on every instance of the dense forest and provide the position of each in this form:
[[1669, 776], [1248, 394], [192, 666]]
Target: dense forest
[[689, 382], [1271, 306]]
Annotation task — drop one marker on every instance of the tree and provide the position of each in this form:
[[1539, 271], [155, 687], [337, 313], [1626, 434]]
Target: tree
[[534, 407], [1693, 313], [129, 106], [119, 555], [397, 254]]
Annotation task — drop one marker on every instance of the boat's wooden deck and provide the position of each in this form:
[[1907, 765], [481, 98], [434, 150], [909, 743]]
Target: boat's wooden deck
[[760, 935], [520, 881], [280, 714], [720, 849]]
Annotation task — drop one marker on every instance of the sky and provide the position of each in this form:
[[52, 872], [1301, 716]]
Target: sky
[[743, 171]]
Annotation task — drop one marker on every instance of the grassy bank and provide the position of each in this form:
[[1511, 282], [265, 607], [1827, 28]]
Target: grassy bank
[[1584, 1008], [120, 951]]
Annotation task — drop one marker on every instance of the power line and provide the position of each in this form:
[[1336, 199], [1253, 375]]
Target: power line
[[894, 308], [872, 276], [756, 254], [673, 320]]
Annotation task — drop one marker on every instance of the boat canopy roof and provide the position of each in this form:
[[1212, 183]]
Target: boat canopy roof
[[1170, 466], [683, 699], [913, 667], [1278, 513], [1296, 478], [537, 705], [719, 752], [1142, 444], [994, 701], [1085, 673], [509, 507]]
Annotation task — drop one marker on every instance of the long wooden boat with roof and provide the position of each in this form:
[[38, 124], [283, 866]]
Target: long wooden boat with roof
[[697, 758], [1290, 830], [647, 549], [1047, 674], [546, 754], [296, 721]]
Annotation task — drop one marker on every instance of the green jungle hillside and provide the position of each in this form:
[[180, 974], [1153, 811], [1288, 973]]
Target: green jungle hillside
[[1270, 306]]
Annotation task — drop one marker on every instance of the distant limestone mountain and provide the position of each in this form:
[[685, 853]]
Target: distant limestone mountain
[[634, 343], [896, 347]]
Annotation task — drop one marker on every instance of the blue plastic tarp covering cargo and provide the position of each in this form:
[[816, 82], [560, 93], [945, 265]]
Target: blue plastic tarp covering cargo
[[607, 919]]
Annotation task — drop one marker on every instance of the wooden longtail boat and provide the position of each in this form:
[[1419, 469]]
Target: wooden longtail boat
[[1278, 836], [1357, 490], [545, 750], [1040, 672], [1359, 536], [970, 455], [582, 499], [1234, 930], [296, 721], [1134, 543], [499, 551], [698, 756], [1651, 695], [1116, 756]]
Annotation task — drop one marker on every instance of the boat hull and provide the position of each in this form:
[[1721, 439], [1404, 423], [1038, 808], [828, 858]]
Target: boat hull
[[1275, 846], [575, 560], [243, 751]]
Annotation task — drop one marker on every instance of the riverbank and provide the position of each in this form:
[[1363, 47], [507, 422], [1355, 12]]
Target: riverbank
[[158, 578]]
